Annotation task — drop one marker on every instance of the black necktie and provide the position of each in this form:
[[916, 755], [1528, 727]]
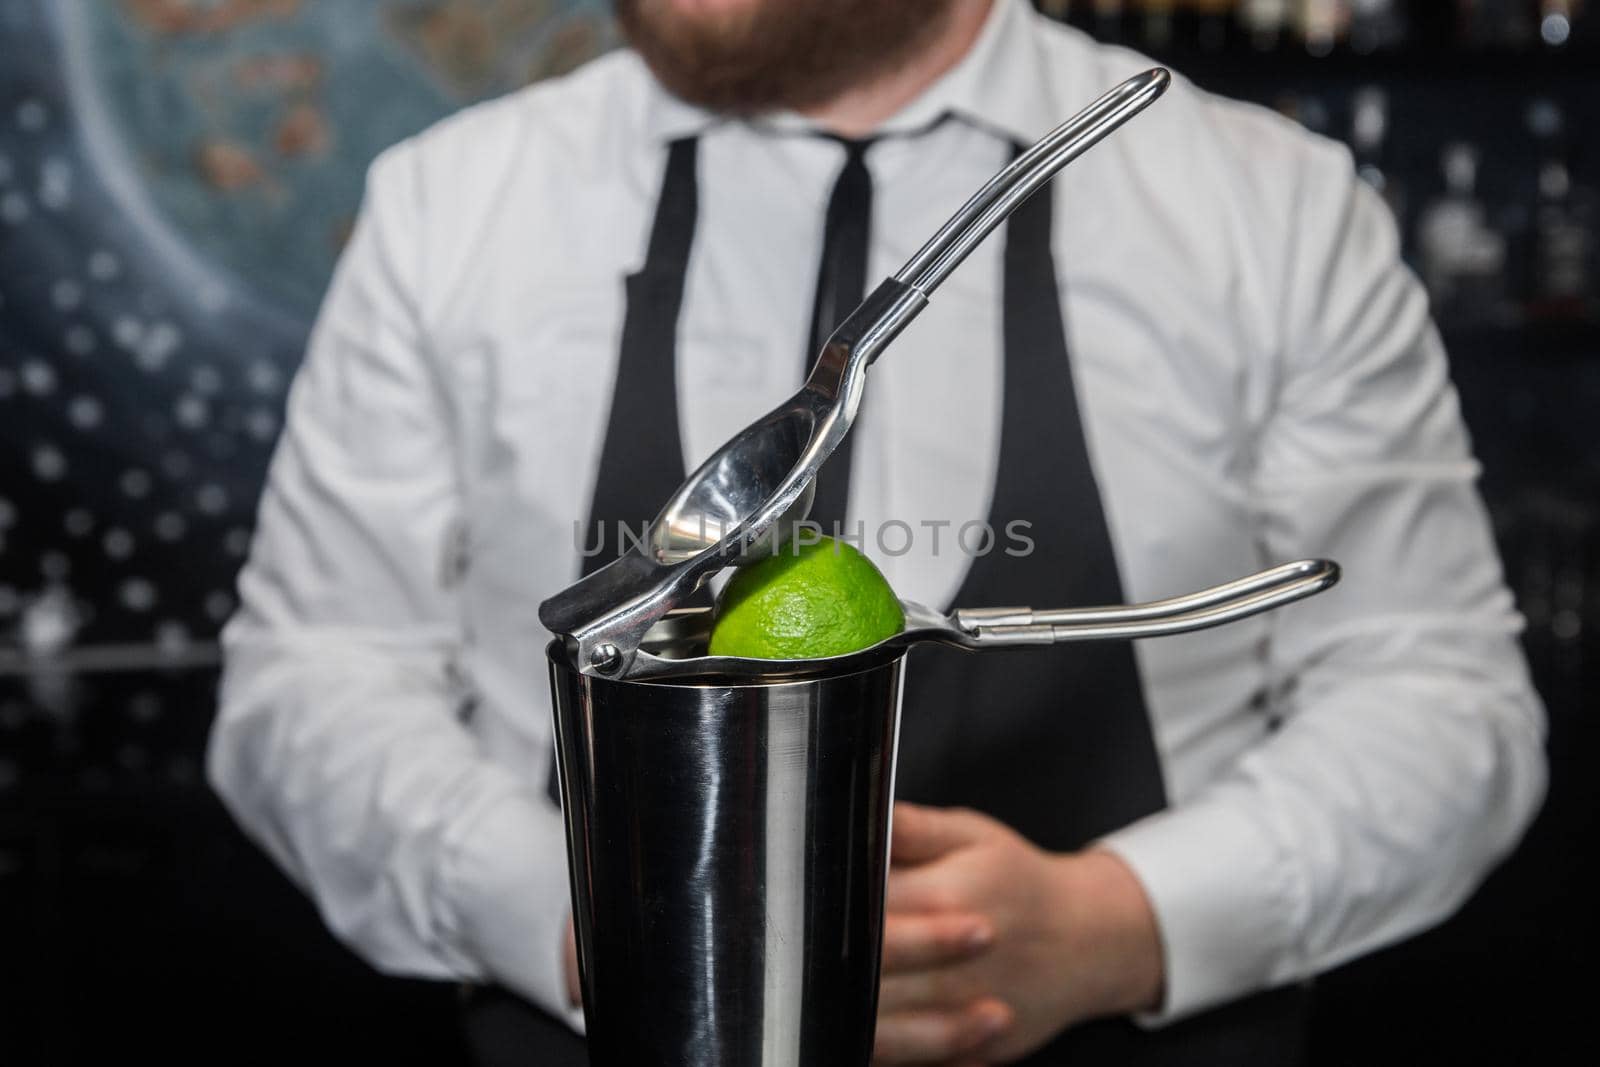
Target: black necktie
[[841, 283]]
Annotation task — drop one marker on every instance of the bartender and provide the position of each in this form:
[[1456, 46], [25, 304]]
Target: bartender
[[1196, 354]]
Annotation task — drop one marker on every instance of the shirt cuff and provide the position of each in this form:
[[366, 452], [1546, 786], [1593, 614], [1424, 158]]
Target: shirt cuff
[[506, 901], [1225, 902]]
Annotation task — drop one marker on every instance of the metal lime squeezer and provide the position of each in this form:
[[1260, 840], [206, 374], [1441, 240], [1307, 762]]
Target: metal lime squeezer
[[626, 620], [728, 820]]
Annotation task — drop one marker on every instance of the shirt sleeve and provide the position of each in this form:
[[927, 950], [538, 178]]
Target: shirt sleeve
[[1408, 754], [340, 743]]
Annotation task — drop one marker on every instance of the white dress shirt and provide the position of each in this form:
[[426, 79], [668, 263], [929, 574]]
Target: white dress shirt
[[1259, 378]]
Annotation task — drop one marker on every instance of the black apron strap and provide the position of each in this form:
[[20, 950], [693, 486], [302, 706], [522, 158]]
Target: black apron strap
[[641, 462], [1057, 742]]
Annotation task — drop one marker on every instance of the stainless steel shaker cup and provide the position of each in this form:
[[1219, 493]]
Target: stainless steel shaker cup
[[728, 851]]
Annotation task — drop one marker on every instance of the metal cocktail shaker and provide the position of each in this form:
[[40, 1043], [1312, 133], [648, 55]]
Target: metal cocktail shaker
[[728, 850]]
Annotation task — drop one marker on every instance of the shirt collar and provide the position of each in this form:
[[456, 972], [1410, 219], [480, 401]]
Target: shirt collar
[[999, 85]]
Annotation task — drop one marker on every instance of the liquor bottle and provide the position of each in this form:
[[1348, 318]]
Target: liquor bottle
[[1463, 257], [1213, 21], [1555, 21], [1369, 142], [1156, 24], [1561, 248], [1585, 26], [1107, 21], [1495, 24], [1376, 25], [1323, 24], [1265, 21]]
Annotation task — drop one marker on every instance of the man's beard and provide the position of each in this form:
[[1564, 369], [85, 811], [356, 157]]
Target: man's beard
[[768, 54]]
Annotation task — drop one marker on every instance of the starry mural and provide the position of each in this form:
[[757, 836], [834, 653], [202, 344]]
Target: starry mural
[[177, 178]]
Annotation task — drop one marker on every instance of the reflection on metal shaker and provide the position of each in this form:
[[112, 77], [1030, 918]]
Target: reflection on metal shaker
[[729, 849]]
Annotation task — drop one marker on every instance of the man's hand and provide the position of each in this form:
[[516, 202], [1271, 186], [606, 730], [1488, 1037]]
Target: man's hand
[[993, 946]]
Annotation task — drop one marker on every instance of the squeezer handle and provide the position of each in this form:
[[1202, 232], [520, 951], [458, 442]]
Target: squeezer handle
[[1220, 604]]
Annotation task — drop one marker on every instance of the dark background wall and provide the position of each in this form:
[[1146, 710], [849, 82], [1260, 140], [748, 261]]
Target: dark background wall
[[176, 178]]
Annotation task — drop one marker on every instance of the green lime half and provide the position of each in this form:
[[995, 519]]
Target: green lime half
[[805, 602]]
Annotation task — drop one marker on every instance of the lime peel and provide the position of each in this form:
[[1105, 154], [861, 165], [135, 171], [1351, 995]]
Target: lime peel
[[805, 601]]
